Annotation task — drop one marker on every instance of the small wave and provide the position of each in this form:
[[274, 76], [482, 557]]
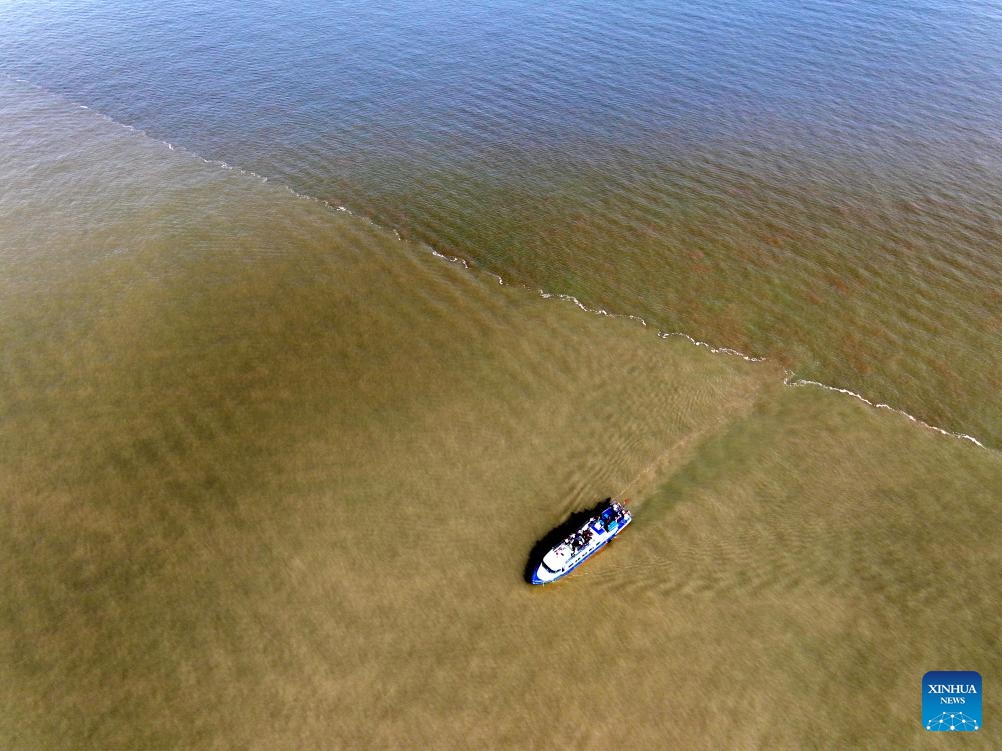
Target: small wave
[[789, 380]]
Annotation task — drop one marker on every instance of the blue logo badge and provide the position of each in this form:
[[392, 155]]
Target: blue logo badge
[[951, 700]]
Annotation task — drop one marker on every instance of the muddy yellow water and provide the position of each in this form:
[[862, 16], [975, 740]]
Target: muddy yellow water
[[269, 476]]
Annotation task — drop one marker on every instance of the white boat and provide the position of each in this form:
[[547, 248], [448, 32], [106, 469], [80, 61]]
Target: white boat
[[609, 520]]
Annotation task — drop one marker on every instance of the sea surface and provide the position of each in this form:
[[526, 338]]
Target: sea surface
[[814, 182], [314, 317]]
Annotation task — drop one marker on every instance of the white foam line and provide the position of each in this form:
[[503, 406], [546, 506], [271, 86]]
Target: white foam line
[[188, 152], [602, 311], [713, 349], [451, 259], [789, 379]]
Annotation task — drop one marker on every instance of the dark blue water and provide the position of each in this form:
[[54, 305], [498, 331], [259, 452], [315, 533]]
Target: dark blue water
[[398, 78], [817, 182]]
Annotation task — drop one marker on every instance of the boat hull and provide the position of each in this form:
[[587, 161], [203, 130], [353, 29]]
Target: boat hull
[[559, 561]]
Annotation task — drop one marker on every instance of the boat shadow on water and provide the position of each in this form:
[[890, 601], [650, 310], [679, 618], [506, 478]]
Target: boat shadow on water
[[558, 534]]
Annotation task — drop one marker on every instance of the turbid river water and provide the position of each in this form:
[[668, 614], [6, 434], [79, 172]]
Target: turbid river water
[[270, 469]]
